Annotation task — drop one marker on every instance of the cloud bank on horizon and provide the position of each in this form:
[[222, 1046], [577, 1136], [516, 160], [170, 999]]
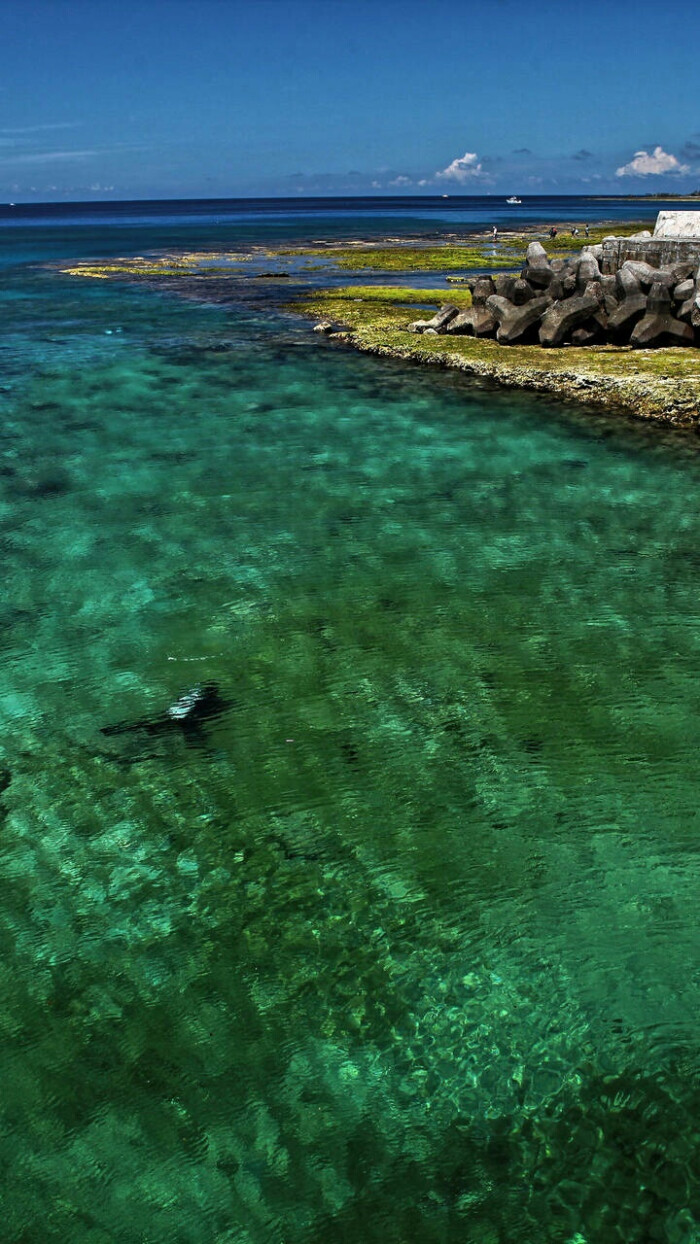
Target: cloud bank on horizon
[[645, 165], [525, 169], [522, 170]]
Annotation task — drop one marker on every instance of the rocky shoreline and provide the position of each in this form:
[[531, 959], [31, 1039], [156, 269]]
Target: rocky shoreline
[[659, 384], [659, 398], [603, 326]]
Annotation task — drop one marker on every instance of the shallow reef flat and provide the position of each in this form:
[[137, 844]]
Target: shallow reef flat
[[659, 384], [402, 945], [452, 251], [441, 253]]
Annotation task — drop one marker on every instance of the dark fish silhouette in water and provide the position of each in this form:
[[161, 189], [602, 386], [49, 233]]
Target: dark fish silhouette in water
[[186, 717]]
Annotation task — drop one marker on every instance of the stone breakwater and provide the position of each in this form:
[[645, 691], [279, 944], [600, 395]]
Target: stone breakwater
[[573, 301]]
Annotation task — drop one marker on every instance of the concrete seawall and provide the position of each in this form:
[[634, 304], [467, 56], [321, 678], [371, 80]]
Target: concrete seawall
[[657, 252]]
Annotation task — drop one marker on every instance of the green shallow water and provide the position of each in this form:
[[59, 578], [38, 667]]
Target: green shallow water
[[404, 946]]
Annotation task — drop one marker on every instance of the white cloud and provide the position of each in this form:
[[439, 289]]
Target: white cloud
[[39, 129], [462, 169], [46, 157], [54, 157], [43, 156], [659, 161], [401, 180]]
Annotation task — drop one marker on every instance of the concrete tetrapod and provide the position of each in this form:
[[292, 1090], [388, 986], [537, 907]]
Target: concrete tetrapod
[[566, 315], [514, 322], [537, 269], [695, 304], [439, 320], [474, 322], [630, 310], [655, 328]]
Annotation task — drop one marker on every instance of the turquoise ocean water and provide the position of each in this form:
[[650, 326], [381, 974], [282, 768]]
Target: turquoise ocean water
[[402, 945]]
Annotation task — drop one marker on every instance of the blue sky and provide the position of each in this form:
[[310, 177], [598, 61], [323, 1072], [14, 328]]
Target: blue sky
[[168, 98]]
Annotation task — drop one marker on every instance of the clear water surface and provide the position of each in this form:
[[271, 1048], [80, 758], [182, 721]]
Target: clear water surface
[[401, 944]]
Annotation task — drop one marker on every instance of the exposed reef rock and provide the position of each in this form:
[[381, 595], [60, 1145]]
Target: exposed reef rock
[[583, 300]]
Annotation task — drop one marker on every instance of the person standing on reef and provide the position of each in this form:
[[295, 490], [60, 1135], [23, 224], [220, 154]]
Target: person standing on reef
[[553, 231], [587, 231], [494, 233]]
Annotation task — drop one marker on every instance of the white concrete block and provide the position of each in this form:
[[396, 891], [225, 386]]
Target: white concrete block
[[677, 225]]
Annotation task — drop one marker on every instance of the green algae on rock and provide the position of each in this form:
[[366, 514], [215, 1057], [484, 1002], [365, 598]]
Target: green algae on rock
[[659, 384], [415, 258]]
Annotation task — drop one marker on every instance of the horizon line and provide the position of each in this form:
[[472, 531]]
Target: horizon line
[[329, 198]]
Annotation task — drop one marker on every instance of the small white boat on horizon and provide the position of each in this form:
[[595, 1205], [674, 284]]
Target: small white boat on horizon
[[514, 199]]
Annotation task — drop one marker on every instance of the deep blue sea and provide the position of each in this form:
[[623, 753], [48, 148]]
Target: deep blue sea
[[80, 230], [395, 940]]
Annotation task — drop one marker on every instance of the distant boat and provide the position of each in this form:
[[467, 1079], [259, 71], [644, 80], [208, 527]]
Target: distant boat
[[513, 199]]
